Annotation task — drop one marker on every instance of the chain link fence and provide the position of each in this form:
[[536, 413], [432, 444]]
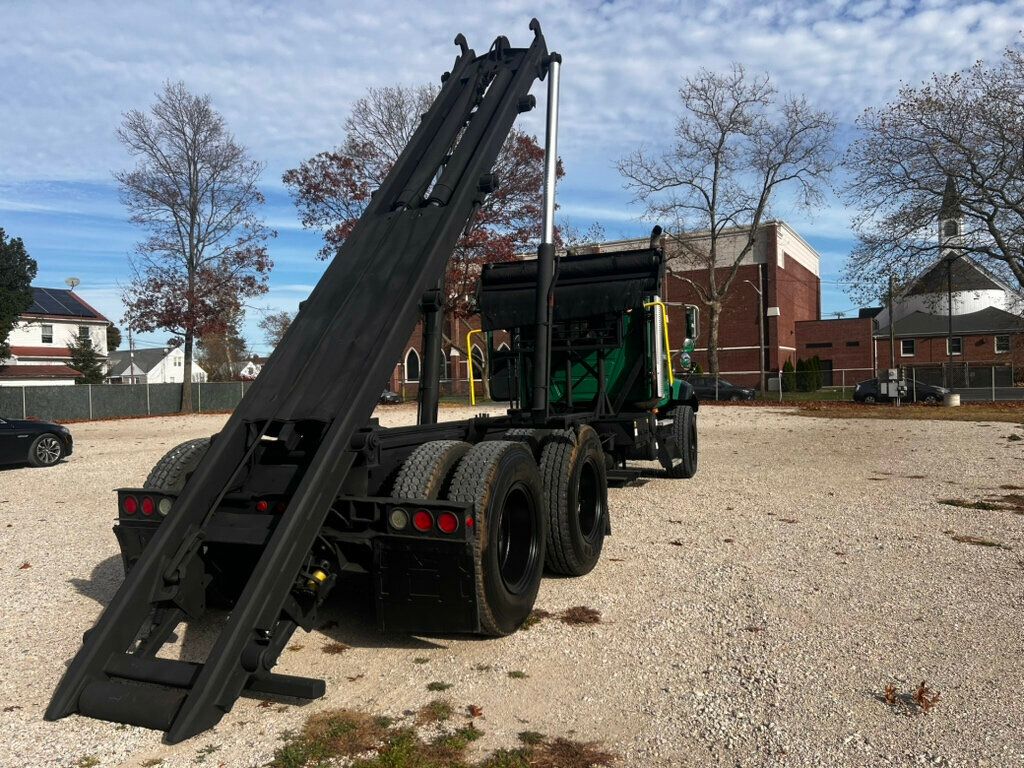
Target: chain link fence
[[113, 401]]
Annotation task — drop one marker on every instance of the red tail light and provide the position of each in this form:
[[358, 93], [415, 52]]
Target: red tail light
[[447, 522], [148, 507], [130, 505], [422, 520], [262, 505]]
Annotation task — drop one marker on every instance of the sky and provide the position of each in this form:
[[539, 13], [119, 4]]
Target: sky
[[284, 75]]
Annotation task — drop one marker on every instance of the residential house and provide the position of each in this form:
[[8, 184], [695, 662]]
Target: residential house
[[39, 340], [162, 365]]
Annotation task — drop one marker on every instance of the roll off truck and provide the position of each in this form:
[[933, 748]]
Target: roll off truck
[[449, 526]]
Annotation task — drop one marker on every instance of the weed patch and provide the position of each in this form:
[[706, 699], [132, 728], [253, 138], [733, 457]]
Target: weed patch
[[331, 734], [517, 674], [374, 742], [334, 649], [919, 701], [438, 686], [580, 615], [436, 711], [536, 616]]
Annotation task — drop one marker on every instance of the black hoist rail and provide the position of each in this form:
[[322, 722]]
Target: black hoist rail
[[318, 389]]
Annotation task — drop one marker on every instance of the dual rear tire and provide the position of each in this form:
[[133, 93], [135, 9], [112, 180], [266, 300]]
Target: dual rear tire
[[527, 514]]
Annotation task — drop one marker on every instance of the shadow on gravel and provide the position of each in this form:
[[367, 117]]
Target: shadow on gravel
[[103, 582], [353, 623]]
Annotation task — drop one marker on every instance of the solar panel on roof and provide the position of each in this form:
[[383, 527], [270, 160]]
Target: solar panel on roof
[[49, 301]]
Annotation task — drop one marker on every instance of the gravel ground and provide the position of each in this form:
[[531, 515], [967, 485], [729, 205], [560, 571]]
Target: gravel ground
[[752, 616]]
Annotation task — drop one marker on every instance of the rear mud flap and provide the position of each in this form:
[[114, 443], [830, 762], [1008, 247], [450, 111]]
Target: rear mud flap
[[424, 585]]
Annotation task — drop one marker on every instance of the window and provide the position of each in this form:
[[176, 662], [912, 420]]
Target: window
[[820, 345], [853, 343], [47, 334], [478, 363], [83, 333], [907, 347], [412, 365], [954, 345], [692, 321], [1002, 344]]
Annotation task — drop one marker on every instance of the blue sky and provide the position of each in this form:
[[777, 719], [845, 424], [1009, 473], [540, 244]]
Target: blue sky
[[285, 75]]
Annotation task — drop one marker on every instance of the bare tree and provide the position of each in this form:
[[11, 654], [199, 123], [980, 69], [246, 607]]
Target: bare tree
[[738, 142], [968, 126], [333, 188], [194, 190], [274, 326]]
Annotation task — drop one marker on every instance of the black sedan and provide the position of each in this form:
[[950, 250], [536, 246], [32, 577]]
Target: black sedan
[[387, 397], [39, 443], [705, 388], [867, 392]]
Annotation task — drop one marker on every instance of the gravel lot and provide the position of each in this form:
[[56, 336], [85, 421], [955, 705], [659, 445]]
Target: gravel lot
[[752, 616]]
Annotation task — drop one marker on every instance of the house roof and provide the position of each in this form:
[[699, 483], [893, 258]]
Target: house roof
[[60, 302], [38, 372], [40, 352], [967, 275], [988, 320], [145, 359]]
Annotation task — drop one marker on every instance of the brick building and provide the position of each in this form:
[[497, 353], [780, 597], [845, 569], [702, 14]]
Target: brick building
[[781, 265], [987, 341]]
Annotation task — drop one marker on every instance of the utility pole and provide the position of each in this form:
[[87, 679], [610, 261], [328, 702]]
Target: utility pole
[[760, 324], [892, 328]]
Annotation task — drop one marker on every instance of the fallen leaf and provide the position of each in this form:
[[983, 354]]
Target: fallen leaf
[[24, 566], [475, 711]]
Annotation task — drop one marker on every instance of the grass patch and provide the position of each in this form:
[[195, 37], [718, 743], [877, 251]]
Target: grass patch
[[580, 615], [420, 660], [331, 734], [517, 674], [436, 711], [152, 762], [89, 761], [531, 738], [364, 741], [1002, 412], [334, 649], [438, 686]]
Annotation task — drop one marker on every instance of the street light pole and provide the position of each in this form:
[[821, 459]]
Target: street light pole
[[760, 327]]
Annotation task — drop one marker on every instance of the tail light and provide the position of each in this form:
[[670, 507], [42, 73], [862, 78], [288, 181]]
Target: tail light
[[422, 520], [447, 522], [262, 505], [148, 507], [398, 518], [130, 505]]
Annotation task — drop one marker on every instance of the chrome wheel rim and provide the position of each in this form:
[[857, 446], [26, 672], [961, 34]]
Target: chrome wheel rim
[[48, 450]]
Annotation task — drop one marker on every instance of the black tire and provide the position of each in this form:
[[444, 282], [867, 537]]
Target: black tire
[[176, 466], [575, 481], [870, 399], [228, 565], [681, 448], [931, 399], [46, 450], [501, 479], [428, 471]]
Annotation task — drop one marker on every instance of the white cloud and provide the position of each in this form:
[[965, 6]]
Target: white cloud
[[284, 76]]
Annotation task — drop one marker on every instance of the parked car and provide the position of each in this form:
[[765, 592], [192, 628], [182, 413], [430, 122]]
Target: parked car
[[39, 443], [867, 392], [387, 397], [704, 388]]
